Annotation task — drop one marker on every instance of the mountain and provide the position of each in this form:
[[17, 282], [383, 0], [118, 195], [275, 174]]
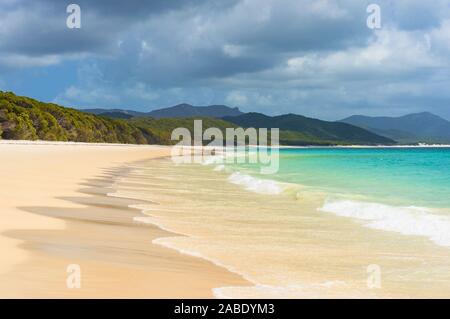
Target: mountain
[[23, 118], [422, 127], [187, 110], [301, 130], [115, 113], [178, 111]]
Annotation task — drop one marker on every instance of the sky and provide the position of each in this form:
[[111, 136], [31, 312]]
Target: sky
[[317, 58]]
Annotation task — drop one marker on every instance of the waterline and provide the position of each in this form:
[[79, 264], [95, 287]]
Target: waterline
[[281, 242]]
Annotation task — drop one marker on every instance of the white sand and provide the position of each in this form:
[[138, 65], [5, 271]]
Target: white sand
[[36, 174]]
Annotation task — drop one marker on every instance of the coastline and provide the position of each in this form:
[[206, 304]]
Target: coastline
[[368, 146], [140, 226], [282, 242], [57, 213]]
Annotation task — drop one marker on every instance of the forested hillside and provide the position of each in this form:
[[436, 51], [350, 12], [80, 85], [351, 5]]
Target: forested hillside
[[300, 130], [23, 118]]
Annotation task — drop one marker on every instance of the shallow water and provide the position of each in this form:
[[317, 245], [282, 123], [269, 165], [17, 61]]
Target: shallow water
[[295, 235]]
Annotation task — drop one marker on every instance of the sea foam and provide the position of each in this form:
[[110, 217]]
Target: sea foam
[[409, 220], [257, 185]]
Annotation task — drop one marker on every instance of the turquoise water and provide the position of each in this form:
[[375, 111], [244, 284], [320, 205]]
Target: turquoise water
[[374, 206], [402, 190], [400, 176]]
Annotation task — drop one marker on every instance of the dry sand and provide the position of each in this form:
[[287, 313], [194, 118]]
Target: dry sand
[[54, 212]]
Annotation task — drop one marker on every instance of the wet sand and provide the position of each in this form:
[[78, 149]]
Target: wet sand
[[282, 243]]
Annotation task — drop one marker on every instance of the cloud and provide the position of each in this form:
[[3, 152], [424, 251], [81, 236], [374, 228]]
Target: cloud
[[236, 98], [22, 61], [311, 56], [142, 92]]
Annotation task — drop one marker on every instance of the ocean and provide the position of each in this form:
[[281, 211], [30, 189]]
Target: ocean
[[330, 223], [400, 189]]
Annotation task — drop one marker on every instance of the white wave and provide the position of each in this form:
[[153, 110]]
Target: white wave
[[219, 168], [404, 220], [262, 186]]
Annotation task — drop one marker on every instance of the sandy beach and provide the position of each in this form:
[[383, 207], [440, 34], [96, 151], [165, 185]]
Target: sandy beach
[[140, 226], [54, 212]]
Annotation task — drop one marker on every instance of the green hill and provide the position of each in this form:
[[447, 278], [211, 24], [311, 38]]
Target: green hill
[[162, 128], [301, 130], [23, 118], [183, 110]]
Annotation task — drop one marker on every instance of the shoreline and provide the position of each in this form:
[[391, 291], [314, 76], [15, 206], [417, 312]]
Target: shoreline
[[43, 142], [367, 146], [279, 243], [140, 227], [62, 224]]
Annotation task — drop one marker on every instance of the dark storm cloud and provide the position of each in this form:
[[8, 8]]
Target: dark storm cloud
[[184, 47], [39, 27], [286, 55]]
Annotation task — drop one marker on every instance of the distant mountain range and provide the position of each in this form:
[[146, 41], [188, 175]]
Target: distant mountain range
[[26, 118], [298, 130], [187, 110], [294, 129], [115, 113], [29, 119], [422, 127], [301, 130], [178, 111], [23, 118]]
